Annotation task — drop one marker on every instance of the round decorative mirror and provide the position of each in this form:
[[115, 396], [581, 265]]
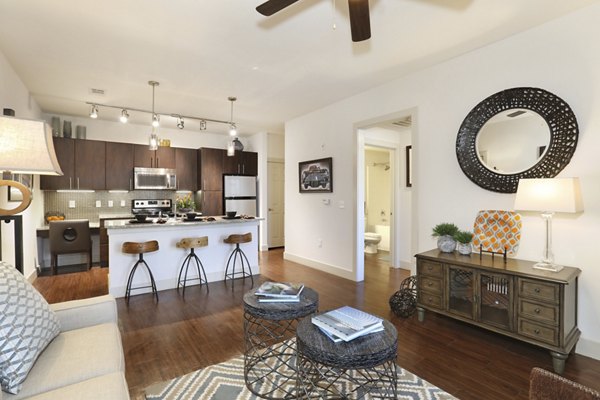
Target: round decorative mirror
[[513, 134]]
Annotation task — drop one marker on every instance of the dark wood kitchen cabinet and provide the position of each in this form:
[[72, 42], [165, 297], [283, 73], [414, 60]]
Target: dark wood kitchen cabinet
[[79, 161], [210, 171], [212, 202], [119, 166], [243, 162], [164, 157], [186, 161]]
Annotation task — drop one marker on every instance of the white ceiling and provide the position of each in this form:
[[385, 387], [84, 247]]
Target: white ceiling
[[203, 51]]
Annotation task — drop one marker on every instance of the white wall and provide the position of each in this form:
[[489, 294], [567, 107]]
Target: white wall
[[14, 94], [557, 56]]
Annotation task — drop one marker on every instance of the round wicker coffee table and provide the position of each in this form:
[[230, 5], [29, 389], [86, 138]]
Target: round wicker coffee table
[[270, 352], [348, 370]]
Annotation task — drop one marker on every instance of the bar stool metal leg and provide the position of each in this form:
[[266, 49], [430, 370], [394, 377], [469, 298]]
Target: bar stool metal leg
[[128, 289], [199, 267]]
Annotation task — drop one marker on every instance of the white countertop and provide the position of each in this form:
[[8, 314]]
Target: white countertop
[[47, 227], [126, 224]]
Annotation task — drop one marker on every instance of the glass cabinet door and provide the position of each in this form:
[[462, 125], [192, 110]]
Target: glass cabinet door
[[461, 299], [495, 300]]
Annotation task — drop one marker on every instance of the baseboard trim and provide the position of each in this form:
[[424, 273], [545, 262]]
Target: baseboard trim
[[331, 269], [588, 348]]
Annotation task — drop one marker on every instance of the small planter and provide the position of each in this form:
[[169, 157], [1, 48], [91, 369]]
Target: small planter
[[446, 244], [464, 248]]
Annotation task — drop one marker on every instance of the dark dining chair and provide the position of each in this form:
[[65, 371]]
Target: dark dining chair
[[69, 237]]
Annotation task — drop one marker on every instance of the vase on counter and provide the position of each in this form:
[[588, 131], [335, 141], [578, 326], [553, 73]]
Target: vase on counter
[[55, 126], [464, 248], [80, 132], [446, 244], [67, 132]]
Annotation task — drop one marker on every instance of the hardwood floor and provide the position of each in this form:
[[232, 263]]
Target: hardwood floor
[[178, 335]]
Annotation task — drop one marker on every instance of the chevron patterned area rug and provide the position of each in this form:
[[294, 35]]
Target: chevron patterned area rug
[[225, 381]]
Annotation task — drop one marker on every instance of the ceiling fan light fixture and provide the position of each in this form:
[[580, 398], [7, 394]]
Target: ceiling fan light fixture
[[94, 111], [124, 116]]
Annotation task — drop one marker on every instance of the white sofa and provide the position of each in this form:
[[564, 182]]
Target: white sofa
[[85, 361]]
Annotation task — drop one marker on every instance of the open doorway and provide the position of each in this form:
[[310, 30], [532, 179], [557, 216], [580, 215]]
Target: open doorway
[[384, 194]]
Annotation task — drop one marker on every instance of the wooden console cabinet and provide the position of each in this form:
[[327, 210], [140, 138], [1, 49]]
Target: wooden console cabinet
[[512, 298]]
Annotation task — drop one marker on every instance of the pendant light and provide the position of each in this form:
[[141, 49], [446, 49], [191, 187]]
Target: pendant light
[[232, 128], [155, 122]]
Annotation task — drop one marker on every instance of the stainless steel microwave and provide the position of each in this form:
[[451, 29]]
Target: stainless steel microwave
[[154, 178]]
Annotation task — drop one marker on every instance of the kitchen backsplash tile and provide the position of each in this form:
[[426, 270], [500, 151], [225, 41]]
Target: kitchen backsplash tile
[[85, 203]]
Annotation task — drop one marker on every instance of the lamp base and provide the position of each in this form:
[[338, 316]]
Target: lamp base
[[548, 266]]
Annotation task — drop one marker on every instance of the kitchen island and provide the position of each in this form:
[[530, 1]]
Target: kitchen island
[[166, 262]]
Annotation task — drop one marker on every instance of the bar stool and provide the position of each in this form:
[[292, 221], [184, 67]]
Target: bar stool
[[140, 248], [237, 239], [192, 243]]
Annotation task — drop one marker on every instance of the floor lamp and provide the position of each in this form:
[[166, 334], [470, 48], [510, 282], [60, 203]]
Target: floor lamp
[[26, 147], [548, 196]]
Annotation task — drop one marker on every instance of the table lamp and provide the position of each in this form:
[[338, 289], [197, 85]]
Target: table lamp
[[549, 195], [26, 147]]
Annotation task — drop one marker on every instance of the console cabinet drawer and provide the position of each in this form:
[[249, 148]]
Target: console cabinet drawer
[[430, 268], [539, 312], [431, 300], [543, 291], [433, 285], [538, 332]]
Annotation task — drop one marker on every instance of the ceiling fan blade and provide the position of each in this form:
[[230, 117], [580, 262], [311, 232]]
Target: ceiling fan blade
[[270, 7], [360, 23]]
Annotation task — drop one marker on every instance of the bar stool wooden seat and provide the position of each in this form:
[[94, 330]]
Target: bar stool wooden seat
[[237, 239], [192, 243], [140, 248]]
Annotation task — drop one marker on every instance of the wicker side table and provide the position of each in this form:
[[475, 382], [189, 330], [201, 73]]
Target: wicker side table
[[270, 351], [348, 370]]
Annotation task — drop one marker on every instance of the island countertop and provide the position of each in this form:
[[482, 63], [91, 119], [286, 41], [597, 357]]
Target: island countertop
[[167, 261]]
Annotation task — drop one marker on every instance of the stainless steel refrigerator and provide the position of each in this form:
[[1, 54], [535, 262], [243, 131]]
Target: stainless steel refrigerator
[[239, 194]]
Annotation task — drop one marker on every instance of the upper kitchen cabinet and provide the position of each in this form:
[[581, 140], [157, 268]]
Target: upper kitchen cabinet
[[186, 161], [82, 163], [119, 166], [210, 171], [164, 157], [243, 162]]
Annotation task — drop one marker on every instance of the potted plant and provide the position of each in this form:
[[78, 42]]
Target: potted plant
[[464, 239], [185, 204], [445, 233]]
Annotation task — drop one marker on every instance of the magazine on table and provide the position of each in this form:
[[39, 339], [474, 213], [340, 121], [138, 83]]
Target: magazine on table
[[266, 299], [280, 290], [348, 323]]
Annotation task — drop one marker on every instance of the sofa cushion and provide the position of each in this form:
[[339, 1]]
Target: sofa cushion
[[75, 356], [112, 386], [27, 325]]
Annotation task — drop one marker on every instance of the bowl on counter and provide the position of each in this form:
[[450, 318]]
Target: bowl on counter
[[190, 216], [141, 217], [231, 214], [53, 216]]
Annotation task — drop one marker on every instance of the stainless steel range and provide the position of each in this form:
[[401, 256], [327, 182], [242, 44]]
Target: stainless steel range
[[152, 207]]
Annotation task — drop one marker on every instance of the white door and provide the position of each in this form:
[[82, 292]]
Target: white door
[[275, 176]]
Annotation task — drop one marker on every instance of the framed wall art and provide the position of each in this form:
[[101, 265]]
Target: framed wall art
[[15, 194], [315, 176]]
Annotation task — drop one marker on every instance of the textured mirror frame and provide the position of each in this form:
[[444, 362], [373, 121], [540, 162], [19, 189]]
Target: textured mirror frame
[[561, 121]]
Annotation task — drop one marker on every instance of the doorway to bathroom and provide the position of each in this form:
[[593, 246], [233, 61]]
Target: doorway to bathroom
[[385, 207]]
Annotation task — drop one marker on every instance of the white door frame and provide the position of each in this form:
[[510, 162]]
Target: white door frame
[[359, 240]]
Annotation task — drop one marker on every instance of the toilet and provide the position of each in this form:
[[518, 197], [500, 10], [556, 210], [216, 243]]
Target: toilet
[[371, 242]]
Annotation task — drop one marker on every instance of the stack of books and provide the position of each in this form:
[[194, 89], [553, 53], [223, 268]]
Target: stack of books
[[279, 292], [347, 323]]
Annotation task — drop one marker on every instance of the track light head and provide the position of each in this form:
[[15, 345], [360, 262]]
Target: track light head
[[232, 130], [155, 120], [202, 125], [94, 111], [124, 116], [180, 123]]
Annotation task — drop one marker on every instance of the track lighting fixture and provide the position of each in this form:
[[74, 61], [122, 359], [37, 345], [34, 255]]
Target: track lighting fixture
[[153, 143], [94, 111], [230, 149], [124, 116], [154, 136], [232, 128], [125, 110]]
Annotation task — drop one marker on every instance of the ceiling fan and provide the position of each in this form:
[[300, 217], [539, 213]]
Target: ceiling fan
[[360, 24]]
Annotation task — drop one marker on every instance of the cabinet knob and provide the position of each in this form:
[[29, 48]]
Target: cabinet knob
[[429, 299], [429, 268], [536, 331], [537, 310], [537, 290], [429, 283]]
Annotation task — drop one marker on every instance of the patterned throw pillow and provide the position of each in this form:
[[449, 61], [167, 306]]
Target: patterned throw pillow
[[27, 325]]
